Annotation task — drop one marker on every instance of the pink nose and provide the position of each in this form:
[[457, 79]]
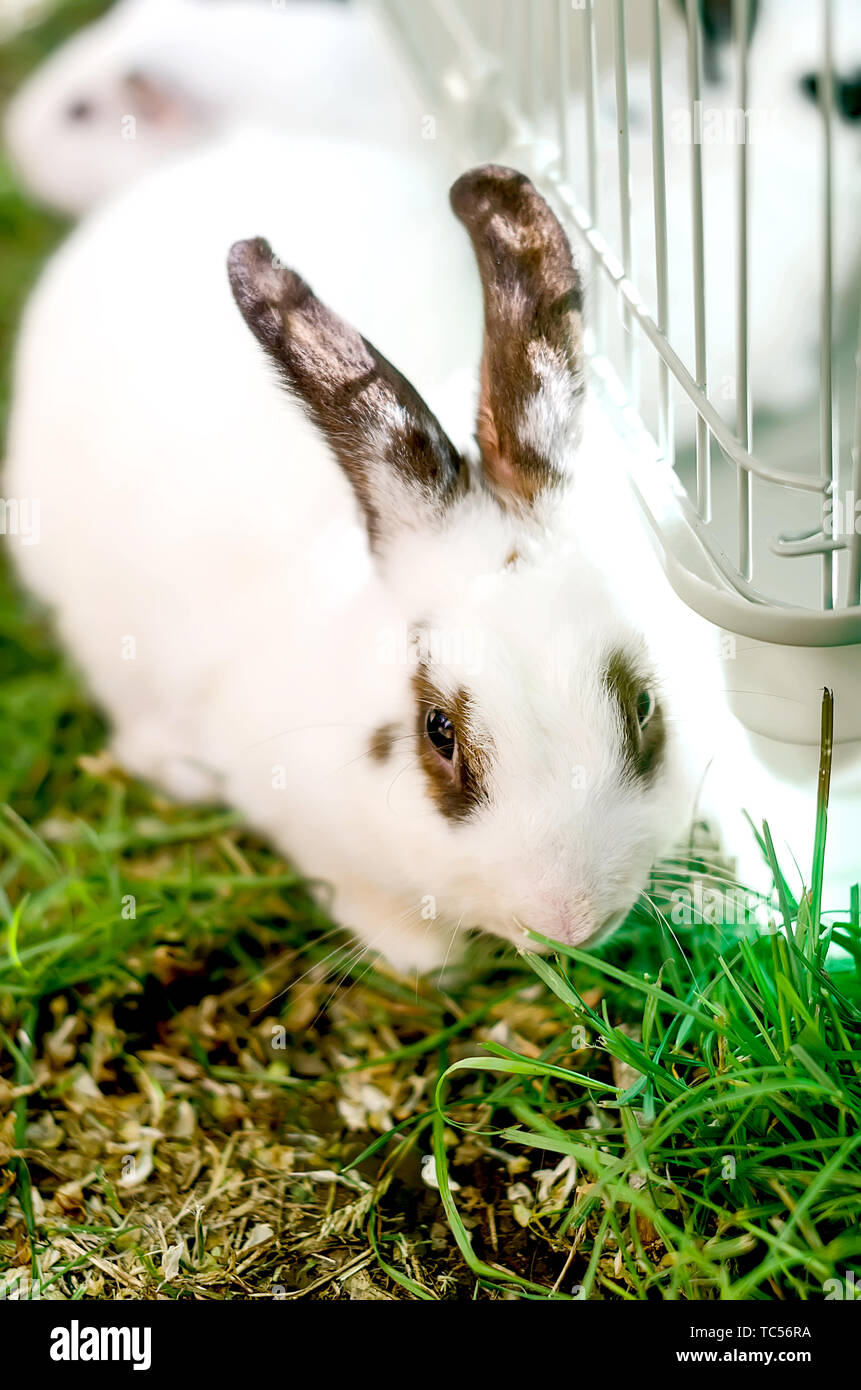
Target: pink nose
[[572, 922]]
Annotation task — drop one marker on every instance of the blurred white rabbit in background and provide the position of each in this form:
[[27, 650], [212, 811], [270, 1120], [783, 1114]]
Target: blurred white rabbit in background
[[155, 77]]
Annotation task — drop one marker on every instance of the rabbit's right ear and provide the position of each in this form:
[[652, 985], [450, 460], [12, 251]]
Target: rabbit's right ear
[[532, 381], [403, 469]]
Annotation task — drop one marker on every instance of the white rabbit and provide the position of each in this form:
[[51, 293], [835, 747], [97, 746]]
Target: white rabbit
[[154, 77], [426, 680]]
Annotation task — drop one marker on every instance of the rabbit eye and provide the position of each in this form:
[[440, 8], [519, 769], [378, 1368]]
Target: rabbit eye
[[456, 769], [850, 97], [80, 110], [440, 731], [640, 719], [847, 93], [645, 707]]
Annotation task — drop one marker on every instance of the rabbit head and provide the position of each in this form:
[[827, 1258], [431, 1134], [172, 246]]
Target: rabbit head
[[105, 108], [529, 725]]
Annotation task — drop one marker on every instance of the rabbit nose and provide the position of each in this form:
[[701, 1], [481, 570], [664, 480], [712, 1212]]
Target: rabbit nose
[[578, 926], [570, 920]]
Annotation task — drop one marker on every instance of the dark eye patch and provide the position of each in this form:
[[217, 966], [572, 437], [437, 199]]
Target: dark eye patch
[[643, 744], [460, 785]]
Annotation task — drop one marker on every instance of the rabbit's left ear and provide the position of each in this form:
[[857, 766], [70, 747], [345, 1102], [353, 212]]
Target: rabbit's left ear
[[402, 467], [532, 382]]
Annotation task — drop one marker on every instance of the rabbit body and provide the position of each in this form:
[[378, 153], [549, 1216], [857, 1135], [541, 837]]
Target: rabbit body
[[208, 566]]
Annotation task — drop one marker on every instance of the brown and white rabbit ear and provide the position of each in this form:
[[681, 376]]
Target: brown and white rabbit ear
[[401, 465], [532, 381]]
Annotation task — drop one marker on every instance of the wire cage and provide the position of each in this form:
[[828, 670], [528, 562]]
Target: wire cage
[[757, 533]]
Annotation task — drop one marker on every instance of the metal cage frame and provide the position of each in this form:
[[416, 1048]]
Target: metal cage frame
[[480, 70]]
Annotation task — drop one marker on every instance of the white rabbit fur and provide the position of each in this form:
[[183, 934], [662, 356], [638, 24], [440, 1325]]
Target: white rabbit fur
[[183, 70], [187, 503]]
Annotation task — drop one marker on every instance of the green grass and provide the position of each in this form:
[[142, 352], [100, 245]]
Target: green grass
[[675, 1118], [735, 1146], [723, 1161]]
